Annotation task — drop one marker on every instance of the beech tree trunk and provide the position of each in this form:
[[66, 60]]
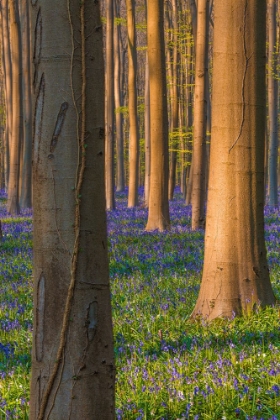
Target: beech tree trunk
[[25, 193], [272, 106], [158, 217], [235, 273], [72, 355], [120, 184], [132, 107], [174, 100], [147, 134], [110, 108], [8, 84], [17, 117], [200, 116]]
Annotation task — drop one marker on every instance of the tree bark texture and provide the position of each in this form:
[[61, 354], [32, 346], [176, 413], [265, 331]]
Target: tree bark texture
[[158, 217], [235, 273], [120, 184], [72, 355], [147, 134], [17, 117], [200, 116], [25, 173], [272, 106], [132, 107], [110, 107]]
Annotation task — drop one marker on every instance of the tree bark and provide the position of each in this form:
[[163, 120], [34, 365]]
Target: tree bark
[[272, 106], [25, 193], [8, 85], [235, 273], [174, 100], [72, 355], [158, 217], [132, 107], [17, 120], [147, 134], [110, 107], [118, 103], [200, 116]]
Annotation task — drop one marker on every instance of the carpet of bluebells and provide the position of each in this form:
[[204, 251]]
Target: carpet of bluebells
[[169, 367]]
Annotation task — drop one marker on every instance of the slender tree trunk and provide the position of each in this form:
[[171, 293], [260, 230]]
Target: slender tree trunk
[[8, 84], [118, 103], [72, 356], [17, 120], [189, 121], [200, 116], [235, 273], [174, 102], [109, 126], [147, 134], [132, 107], [272, 106], [25, 193], [158, 217]]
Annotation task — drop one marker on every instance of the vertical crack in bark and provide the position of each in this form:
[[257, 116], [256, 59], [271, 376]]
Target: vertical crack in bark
[[244, 77], [40, 311], [74, 259]]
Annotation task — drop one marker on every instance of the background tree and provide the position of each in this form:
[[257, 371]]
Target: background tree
[[272, 105], [110, 107], [200, 116], [17, 120], [235, 272], [132, 107], [72, 356], [158, 217]]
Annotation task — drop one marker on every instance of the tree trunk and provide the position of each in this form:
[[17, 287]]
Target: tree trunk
[[174, 101], [25, 193], [235, 273], [272, 106], [147, 134], [132, 107], [110, 107], [118, 103], [72, 356], [158, 217], [200, 116], [17, 121], [8, 85]]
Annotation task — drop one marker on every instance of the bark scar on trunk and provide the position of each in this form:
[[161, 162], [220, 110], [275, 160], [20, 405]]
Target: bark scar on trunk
[[58, 126], [92, 320]]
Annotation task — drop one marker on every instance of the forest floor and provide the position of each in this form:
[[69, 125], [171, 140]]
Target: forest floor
[[168, 367]]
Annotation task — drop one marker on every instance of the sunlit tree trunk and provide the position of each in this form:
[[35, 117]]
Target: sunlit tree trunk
[[110, 107], [25, 193], [235, 273], [132, 107], [147, 134], [120, 184], [158, 217], [272, 106], [174, 123], [200, 115], [17, 120], [8, 85], [72, 355]]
